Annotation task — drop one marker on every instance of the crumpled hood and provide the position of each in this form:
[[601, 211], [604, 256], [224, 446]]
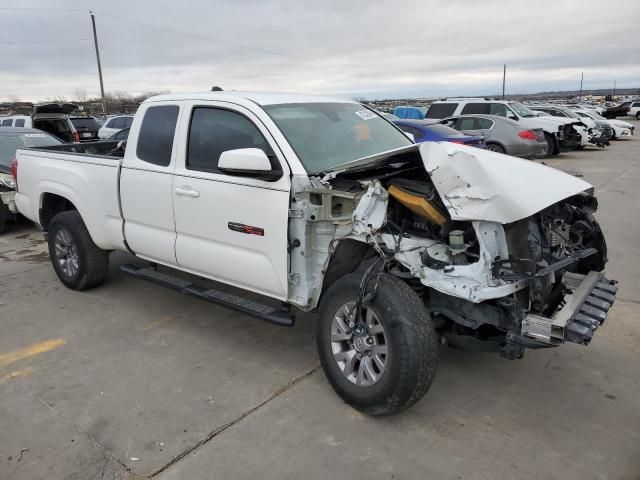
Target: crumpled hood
[[477, 184]]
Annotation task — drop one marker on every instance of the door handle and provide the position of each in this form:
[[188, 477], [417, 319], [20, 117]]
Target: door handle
[[187, 192]]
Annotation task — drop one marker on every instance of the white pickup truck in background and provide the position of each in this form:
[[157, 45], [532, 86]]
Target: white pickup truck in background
[[323, 204]]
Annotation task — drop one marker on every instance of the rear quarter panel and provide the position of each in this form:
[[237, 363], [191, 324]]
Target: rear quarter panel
[[90, 183]]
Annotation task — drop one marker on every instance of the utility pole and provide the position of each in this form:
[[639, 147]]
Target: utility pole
[[95, 43], [504, 77], [614, 89], [581, 79]]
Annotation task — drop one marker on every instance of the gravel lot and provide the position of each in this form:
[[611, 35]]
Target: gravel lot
[[132, 381]]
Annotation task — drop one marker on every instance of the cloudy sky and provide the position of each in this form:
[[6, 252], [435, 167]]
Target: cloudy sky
[[357, 48]]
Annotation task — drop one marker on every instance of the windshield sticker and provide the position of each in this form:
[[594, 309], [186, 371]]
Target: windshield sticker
[[366, 114], [31, 135]]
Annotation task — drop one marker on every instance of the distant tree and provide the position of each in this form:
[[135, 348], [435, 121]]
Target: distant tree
[[80, 95]]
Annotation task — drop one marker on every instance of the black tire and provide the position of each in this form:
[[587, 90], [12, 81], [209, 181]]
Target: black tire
[[613, 134], [552, 145], [92, 262], [494, 147], [410, 339], [638, 116], [2, 226]]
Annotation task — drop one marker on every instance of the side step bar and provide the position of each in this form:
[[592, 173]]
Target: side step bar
[[259, 310]]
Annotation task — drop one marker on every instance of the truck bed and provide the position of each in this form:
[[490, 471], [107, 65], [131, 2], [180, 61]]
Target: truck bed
[[106, 149], [85, 175]]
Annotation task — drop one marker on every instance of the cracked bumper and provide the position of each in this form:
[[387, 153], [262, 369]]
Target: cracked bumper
[[584, 311]]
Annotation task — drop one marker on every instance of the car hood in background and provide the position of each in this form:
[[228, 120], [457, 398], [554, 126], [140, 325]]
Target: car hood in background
[[477, 184]]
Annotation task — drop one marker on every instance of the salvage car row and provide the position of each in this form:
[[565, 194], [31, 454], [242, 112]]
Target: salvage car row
[[325, 206], [513, 128]]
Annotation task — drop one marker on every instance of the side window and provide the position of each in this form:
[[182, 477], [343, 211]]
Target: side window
[[449, 123], [484, 124], [215, 130], [476, 108], [19, 122], [498, 109], [636, 104], [6, 123], [127, 122], [155, 140], [466, 124], [441, 110]]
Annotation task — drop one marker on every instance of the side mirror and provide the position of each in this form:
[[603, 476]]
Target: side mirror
[[512, 115], [249, 162], [410, 136]]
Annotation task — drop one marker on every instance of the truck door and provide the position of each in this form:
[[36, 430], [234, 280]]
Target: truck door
[[146, 184], [231, 227]]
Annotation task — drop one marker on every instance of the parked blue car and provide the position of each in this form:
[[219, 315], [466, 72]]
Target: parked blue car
[[424, 131]]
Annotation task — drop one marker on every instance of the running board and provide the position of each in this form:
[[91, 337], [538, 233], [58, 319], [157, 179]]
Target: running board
[[259, 310]]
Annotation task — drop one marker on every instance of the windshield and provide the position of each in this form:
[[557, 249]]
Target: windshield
[[325, 135], [10, 142], [521, 110], [595, 115]]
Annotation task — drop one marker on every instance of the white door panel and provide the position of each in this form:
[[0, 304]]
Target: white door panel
[[232, 229], [213, 243], [147, 206]]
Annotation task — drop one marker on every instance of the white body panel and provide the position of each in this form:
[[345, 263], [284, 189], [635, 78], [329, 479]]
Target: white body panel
[[205, 203], [477, 184], [90, 183]]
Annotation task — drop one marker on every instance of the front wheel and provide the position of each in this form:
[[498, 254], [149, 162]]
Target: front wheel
[[384, 362], [638, 116], [78, 262]]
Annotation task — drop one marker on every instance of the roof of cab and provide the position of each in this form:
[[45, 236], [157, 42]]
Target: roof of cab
[[260, 98]]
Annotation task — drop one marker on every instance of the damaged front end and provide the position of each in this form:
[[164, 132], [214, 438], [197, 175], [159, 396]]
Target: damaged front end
[[505, 252]]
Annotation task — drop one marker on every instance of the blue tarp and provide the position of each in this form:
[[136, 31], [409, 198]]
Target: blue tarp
[[416, 113]]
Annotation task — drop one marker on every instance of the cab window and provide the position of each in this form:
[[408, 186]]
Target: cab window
[[216, 130]]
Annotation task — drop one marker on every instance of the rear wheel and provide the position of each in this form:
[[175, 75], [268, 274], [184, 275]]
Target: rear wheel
[[638, 116], [77, 261], [494, 147], [384, 362]]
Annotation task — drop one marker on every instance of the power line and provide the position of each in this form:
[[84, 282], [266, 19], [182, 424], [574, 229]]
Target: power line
[[37, 42]]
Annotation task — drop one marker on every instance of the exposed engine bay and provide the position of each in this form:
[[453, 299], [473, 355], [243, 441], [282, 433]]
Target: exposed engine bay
[[501, 263]]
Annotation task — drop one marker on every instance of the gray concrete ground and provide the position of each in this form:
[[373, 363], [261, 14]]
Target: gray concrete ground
[[130, 381]]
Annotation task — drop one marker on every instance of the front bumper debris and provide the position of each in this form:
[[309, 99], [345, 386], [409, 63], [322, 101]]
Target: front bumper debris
[[8, 199], [584, 311]]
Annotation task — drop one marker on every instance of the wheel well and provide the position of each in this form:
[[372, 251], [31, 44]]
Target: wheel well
[[53, 204], [493, 142], [349, 256]]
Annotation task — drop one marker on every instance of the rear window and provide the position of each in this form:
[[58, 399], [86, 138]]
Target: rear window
[[155, 140], [441, 110], [416, 132], [57, 127], [88, 123], [10, 142]]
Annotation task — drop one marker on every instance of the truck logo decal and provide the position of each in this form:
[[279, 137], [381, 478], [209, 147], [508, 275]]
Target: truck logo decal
[[240, 227]]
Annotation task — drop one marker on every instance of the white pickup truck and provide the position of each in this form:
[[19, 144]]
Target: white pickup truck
[[324, 205]]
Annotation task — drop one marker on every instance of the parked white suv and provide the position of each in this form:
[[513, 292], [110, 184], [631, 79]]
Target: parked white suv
[[114, 125], [634, 109], [560, 134]]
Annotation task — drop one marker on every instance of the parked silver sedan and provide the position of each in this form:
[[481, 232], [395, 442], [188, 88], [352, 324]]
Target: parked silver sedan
[[501, 134]]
